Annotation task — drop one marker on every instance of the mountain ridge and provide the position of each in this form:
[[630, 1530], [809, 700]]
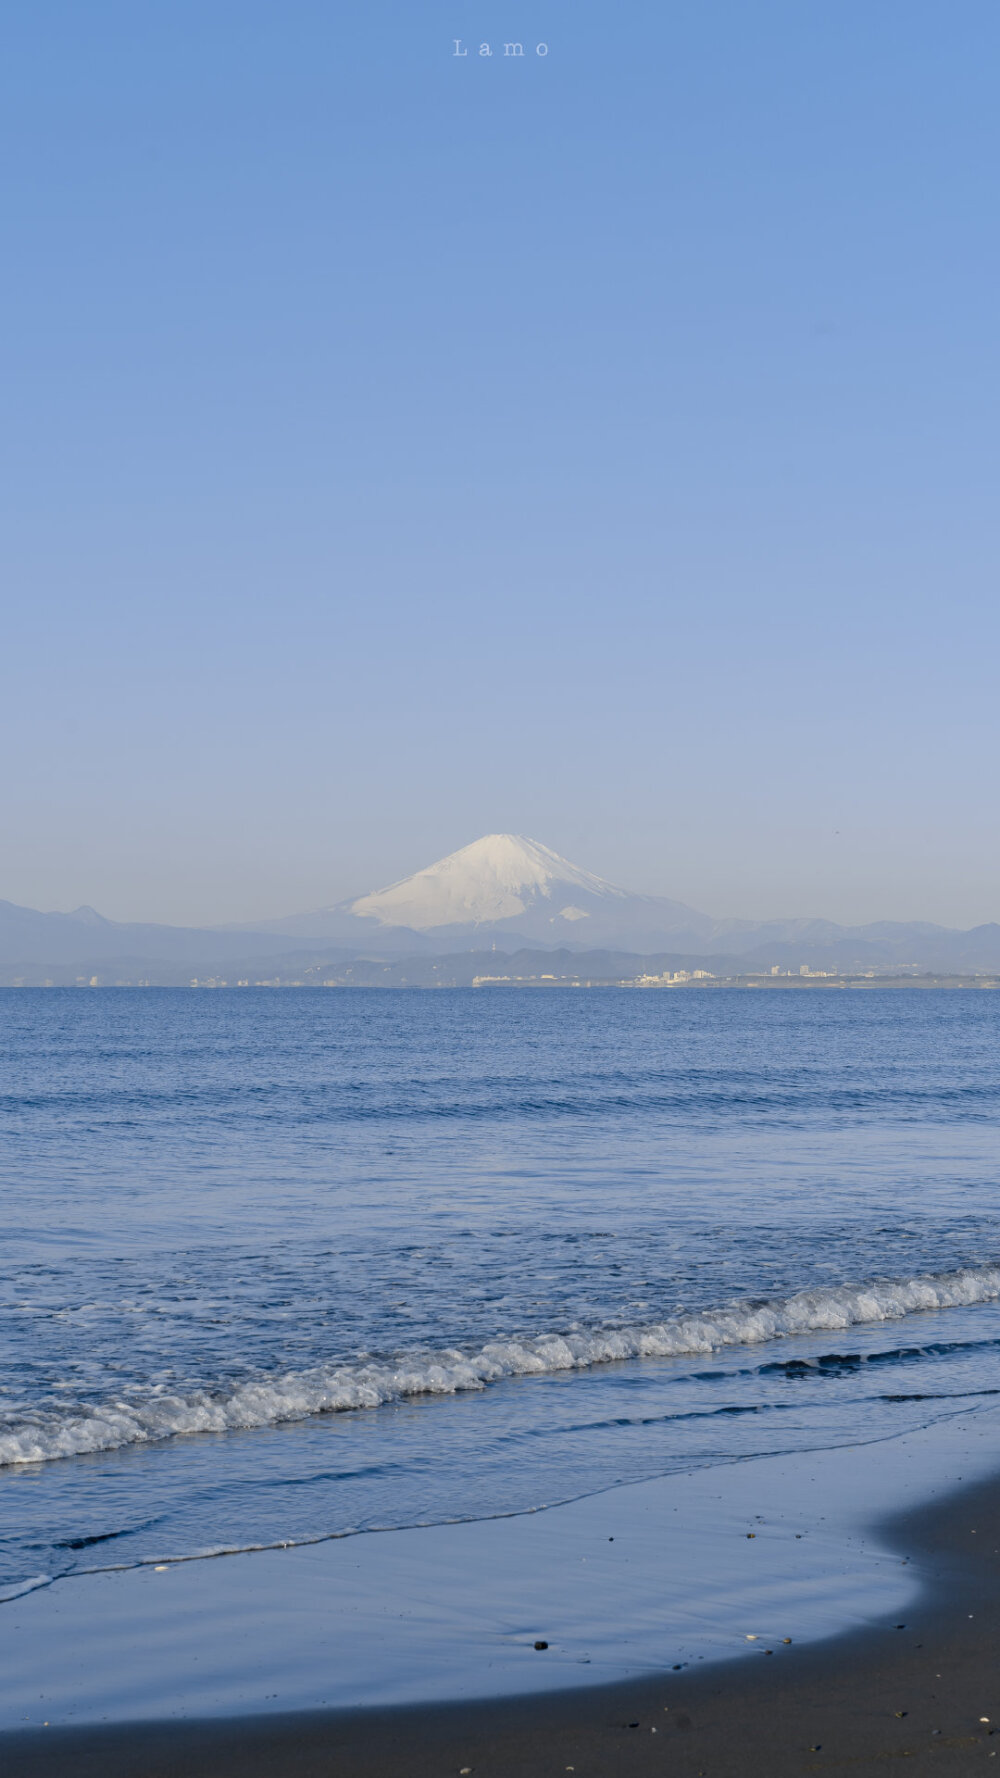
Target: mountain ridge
[[508, 890]]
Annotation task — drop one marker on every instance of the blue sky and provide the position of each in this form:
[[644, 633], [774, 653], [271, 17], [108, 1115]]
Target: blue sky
[[600, 446]]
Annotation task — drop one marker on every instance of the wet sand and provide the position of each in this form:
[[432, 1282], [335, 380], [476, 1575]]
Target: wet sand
[[917, 1694]]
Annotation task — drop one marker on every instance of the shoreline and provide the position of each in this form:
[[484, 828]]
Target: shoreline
[[862, 1699], [830, 980], [864, 1696]]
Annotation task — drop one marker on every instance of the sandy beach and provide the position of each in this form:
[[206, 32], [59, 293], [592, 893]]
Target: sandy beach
[[927, 1692], [915, 1681]]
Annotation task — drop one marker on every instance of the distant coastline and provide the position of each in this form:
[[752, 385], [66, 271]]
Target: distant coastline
[[474, 971]]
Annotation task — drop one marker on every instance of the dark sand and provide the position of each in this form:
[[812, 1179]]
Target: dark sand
[[887, 1699]]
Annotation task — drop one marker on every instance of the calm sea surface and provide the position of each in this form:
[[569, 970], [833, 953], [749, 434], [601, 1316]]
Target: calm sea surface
[[280, 1265]]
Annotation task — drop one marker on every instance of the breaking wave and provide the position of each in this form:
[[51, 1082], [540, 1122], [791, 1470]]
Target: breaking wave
[[295, 1395]]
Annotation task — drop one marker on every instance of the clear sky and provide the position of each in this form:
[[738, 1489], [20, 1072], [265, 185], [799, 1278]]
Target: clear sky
[[399, 446]]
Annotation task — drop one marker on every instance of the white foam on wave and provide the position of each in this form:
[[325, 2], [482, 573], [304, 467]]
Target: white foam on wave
[[17, 1588], [368, 1384]]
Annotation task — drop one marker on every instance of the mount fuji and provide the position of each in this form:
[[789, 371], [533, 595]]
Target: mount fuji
[[503, 886]]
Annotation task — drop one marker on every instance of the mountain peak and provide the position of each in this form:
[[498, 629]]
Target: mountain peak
[[87, 916], [495, 878]]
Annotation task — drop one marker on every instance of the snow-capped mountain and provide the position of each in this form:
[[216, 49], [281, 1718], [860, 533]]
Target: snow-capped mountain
[[497, 878], [503, 886]]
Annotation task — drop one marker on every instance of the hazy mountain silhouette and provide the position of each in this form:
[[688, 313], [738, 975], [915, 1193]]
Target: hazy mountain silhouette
[[505, 890]]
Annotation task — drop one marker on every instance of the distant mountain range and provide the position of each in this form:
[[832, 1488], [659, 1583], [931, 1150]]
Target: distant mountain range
[[87, 937], [502, 890]]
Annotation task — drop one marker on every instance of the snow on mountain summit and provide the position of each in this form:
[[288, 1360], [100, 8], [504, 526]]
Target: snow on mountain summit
[[496, 878]]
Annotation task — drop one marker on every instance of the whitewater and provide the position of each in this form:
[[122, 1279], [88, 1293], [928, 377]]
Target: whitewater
[[372, 1384], [287, 1266]]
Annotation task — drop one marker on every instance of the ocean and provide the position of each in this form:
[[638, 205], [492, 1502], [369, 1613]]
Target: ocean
[[285, 1266]]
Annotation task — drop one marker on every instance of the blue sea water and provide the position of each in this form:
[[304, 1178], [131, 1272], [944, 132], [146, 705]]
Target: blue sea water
[[286, 1265]]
